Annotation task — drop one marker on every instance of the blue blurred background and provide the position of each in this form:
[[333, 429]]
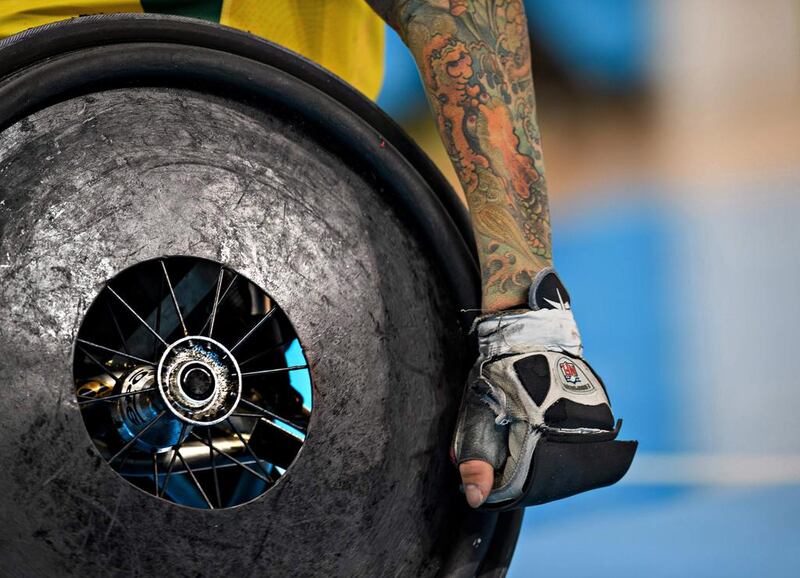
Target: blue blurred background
[[672, 142]]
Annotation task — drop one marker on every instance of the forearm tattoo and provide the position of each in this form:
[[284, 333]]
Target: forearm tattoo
[[474, 57]]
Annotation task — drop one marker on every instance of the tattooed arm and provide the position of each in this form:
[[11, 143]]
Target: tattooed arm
[[474, 58]]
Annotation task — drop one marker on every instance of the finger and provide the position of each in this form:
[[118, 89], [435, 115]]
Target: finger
[[478, 479]]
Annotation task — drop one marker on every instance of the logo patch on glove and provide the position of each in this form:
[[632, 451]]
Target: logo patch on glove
[[572, 378]]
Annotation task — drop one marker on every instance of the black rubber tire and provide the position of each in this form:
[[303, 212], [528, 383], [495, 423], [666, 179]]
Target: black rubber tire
[[99, 134], [38, 44]]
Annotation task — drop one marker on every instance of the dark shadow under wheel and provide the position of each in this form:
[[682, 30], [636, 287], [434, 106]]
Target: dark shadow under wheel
[[127, 168]]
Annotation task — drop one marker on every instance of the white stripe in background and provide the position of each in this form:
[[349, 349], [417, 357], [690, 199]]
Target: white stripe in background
[[714, 469]]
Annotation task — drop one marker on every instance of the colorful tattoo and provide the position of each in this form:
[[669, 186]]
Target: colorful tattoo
[[475, 60]]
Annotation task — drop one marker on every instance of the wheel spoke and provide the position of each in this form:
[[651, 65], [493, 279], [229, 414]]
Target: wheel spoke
[[174, 299], [175, 449], [155, 472], [89, 400], [129, 308], [213, 466], [216, 300], [230, 457], [132, 441], [122, 464], [122, 339], [158, 315], [102, 367], [194, 479], [274, 426], [115, 352], [271, 371], [263, 353], [219, 301], [253, 330], [247, 446], [268, 413]]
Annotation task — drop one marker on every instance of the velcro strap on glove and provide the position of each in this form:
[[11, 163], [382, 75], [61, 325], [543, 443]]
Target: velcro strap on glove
[[528, 331]]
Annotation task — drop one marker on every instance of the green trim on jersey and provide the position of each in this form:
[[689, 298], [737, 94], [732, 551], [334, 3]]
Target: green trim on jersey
[[205, 9]]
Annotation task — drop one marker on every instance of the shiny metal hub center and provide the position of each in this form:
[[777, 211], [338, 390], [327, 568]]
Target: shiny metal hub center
[[199, 380]]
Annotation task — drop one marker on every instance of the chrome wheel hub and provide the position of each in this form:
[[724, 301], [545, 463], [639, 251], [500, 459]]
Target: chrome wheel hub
[[199, 380]]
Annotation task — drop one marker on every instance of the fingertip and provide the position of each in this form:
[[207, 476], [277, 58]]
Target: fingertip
[[478, 479], [474, 495]]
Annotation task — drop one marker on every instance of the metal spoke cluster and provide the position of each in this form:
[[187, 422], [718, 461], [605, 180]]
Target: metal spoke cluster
[[138, 453]]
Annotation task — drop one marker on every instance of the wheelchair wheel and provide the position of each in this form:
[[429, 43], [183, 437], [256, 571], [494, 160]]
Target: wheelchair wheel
[[230, 333]]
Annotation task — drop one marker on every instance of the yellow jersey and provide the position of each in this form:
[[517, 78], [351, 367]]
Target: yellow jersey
[[344, 36]]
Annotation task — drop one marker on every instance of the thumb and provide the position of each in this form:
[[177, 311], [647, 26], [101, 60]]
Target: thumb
[[478, 479]]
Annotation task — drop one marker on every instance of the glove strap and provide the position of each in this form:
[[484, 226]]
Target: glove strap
[[547, 326], [527, 332]]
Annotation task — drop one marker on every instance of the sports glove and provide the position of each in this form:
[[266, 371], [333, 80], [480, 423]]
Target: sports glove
[[534, 409]]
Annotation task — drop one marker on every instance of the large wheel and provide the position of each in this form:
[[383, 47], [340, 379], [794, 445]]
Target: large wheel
[[157, 174]]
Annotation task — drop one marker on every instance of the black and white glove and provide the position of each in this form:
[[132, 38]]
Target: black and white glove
[[534, 409]]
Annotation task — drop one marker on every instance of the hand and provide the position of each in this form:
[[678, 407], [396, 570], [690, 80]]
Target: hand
[[535, 423]]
